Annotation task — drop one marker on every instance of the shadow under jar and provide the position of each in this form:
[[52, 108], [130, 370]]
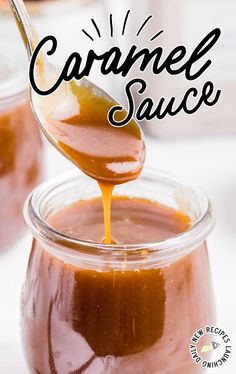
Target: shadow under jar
[[20, 144], [131, 308]]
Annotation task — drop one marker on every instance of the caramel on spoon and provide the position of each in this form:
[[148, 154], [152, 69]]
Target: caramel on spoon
[[74, 120]]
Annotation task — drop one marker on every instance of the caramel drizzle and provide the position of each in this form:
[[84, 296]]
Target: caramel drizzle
[[107, 189]]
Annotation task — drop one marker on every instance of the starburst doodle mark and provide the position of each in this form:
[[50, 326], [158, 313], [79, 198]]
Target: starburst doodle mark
[[111, 27]]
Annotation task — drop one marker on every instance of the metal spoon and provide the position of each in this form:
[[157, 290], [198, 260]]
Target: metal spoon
[[74, 119]]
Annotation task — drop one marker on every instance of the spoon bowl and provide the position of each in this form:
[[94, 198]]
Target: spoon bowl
[[74, 118]]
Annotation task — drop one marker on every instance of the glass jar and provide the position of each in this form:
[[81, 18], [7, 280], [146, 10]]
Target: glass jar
[[20, 144], [71, 284]]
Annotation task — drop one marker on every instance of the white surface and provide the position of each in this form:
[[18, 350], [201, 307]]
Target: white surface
[[210, 163]]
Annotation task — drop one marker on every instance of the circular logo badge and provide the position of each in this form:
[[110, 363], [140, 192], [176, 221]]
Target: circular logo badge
[[210, 347]]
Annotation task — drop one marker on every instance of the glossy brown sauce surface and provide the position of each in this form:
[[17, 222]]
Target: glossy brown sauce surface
[[79, 314], [80, 127], [104, 301], [75, 118], [133, 220]]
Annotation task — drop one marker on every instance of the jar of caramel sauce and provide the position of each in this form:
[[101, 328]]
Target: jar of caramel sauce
[[124, 308], [20, 144]]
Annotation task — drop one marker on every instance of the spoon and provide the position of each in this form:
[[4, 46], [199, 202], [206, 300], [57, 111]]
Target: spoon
[[74, 119]]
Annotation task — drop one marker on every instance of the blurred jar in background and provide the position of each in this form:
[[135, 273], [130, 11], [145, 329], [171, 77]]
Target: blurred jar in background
[[20, 144]]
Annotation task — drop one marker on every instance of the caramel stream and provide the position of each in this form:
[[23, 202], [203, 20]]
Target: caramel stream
[[106, 190]]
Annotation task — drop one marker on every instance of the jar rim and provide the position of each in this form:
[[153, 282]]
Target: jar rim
[[183, 242]]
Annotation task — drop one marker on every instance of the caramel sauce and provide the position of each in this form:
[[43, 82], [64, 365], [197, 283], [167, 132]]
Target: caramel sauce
[[79, 315], [78, 123], [79, 127], [74, 119], [20, 167], [7, 146], [106, 190], [134, 220]]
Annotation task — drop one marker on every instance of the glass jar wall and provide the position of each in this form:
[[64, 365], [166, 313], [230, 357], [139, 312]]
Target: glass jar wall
[[115, 308], [20, 144]]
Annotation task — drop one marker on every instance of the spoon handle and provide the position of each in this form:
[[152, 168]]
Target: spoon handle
[[27, 31]]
